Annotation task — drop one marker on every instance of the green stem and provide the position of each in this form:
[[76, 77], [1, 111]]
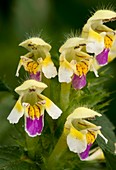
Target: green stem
[[46, 92], [32, 146], [64, 96], [58, 151]]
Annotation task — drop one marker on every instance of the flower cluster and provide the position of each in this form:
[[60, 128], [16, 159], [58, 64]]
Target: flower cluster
[[78, 55]]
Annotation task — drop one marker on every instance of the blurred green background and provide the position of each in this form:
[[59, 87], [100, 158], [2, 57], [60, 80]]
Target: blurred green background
[[53, 20]]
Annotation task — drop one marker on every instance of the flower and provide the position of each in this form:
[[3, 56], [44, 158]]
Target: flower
[[32, 104], [95, 154], [74, 63], [101, 39], [81, 133], [101, 45], [37, 60]]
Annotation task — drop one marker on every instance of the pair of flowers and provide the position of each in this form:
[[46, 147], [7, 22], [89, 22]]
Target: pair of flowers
[[39, 61], [79, 132], [93, 49]]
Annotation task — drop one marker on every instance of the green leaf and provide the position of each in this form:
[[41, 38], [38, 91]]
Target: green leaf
[[13, 158], [108, 132], [110, 160], [71, 161]]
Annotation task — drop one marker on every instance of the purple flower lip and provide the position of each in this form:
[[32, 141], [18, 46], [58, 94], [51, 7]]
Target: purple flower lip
[[78, 82], [102, 58], [85, 154], [34, 127], [36, 76]]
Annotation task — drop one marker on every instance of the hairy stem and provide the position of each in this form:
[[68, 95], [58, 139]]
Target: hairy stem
[[56, 154], [32, 146], [64, 96]]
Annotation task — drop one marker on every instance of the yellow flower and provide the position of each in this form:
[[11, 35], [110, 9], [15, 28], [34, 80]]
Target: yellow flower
[[101, 39], [81, 133], [37, 60], [74, 63], [32, 104]]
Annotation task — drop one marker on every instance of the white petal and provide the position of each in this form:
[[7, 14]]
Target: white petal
[[65, 71], [95, 42], [95, 67], [51, 108], [75, 145], [48, 68], [112, 52], [115, 148], [18, 68], [16, 113], [96, 155]]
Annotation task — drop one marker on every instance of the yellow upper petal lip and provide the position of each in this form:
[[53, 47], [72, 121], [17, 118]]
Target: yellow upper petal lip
[[35, 43], [96, 22], [83, 112], [104, 15], [30, 84], [74, 42]]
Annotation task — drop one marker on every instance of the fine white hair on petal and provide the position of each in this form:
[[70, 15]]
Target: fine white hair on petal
[[75, 145], [16, 113]]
